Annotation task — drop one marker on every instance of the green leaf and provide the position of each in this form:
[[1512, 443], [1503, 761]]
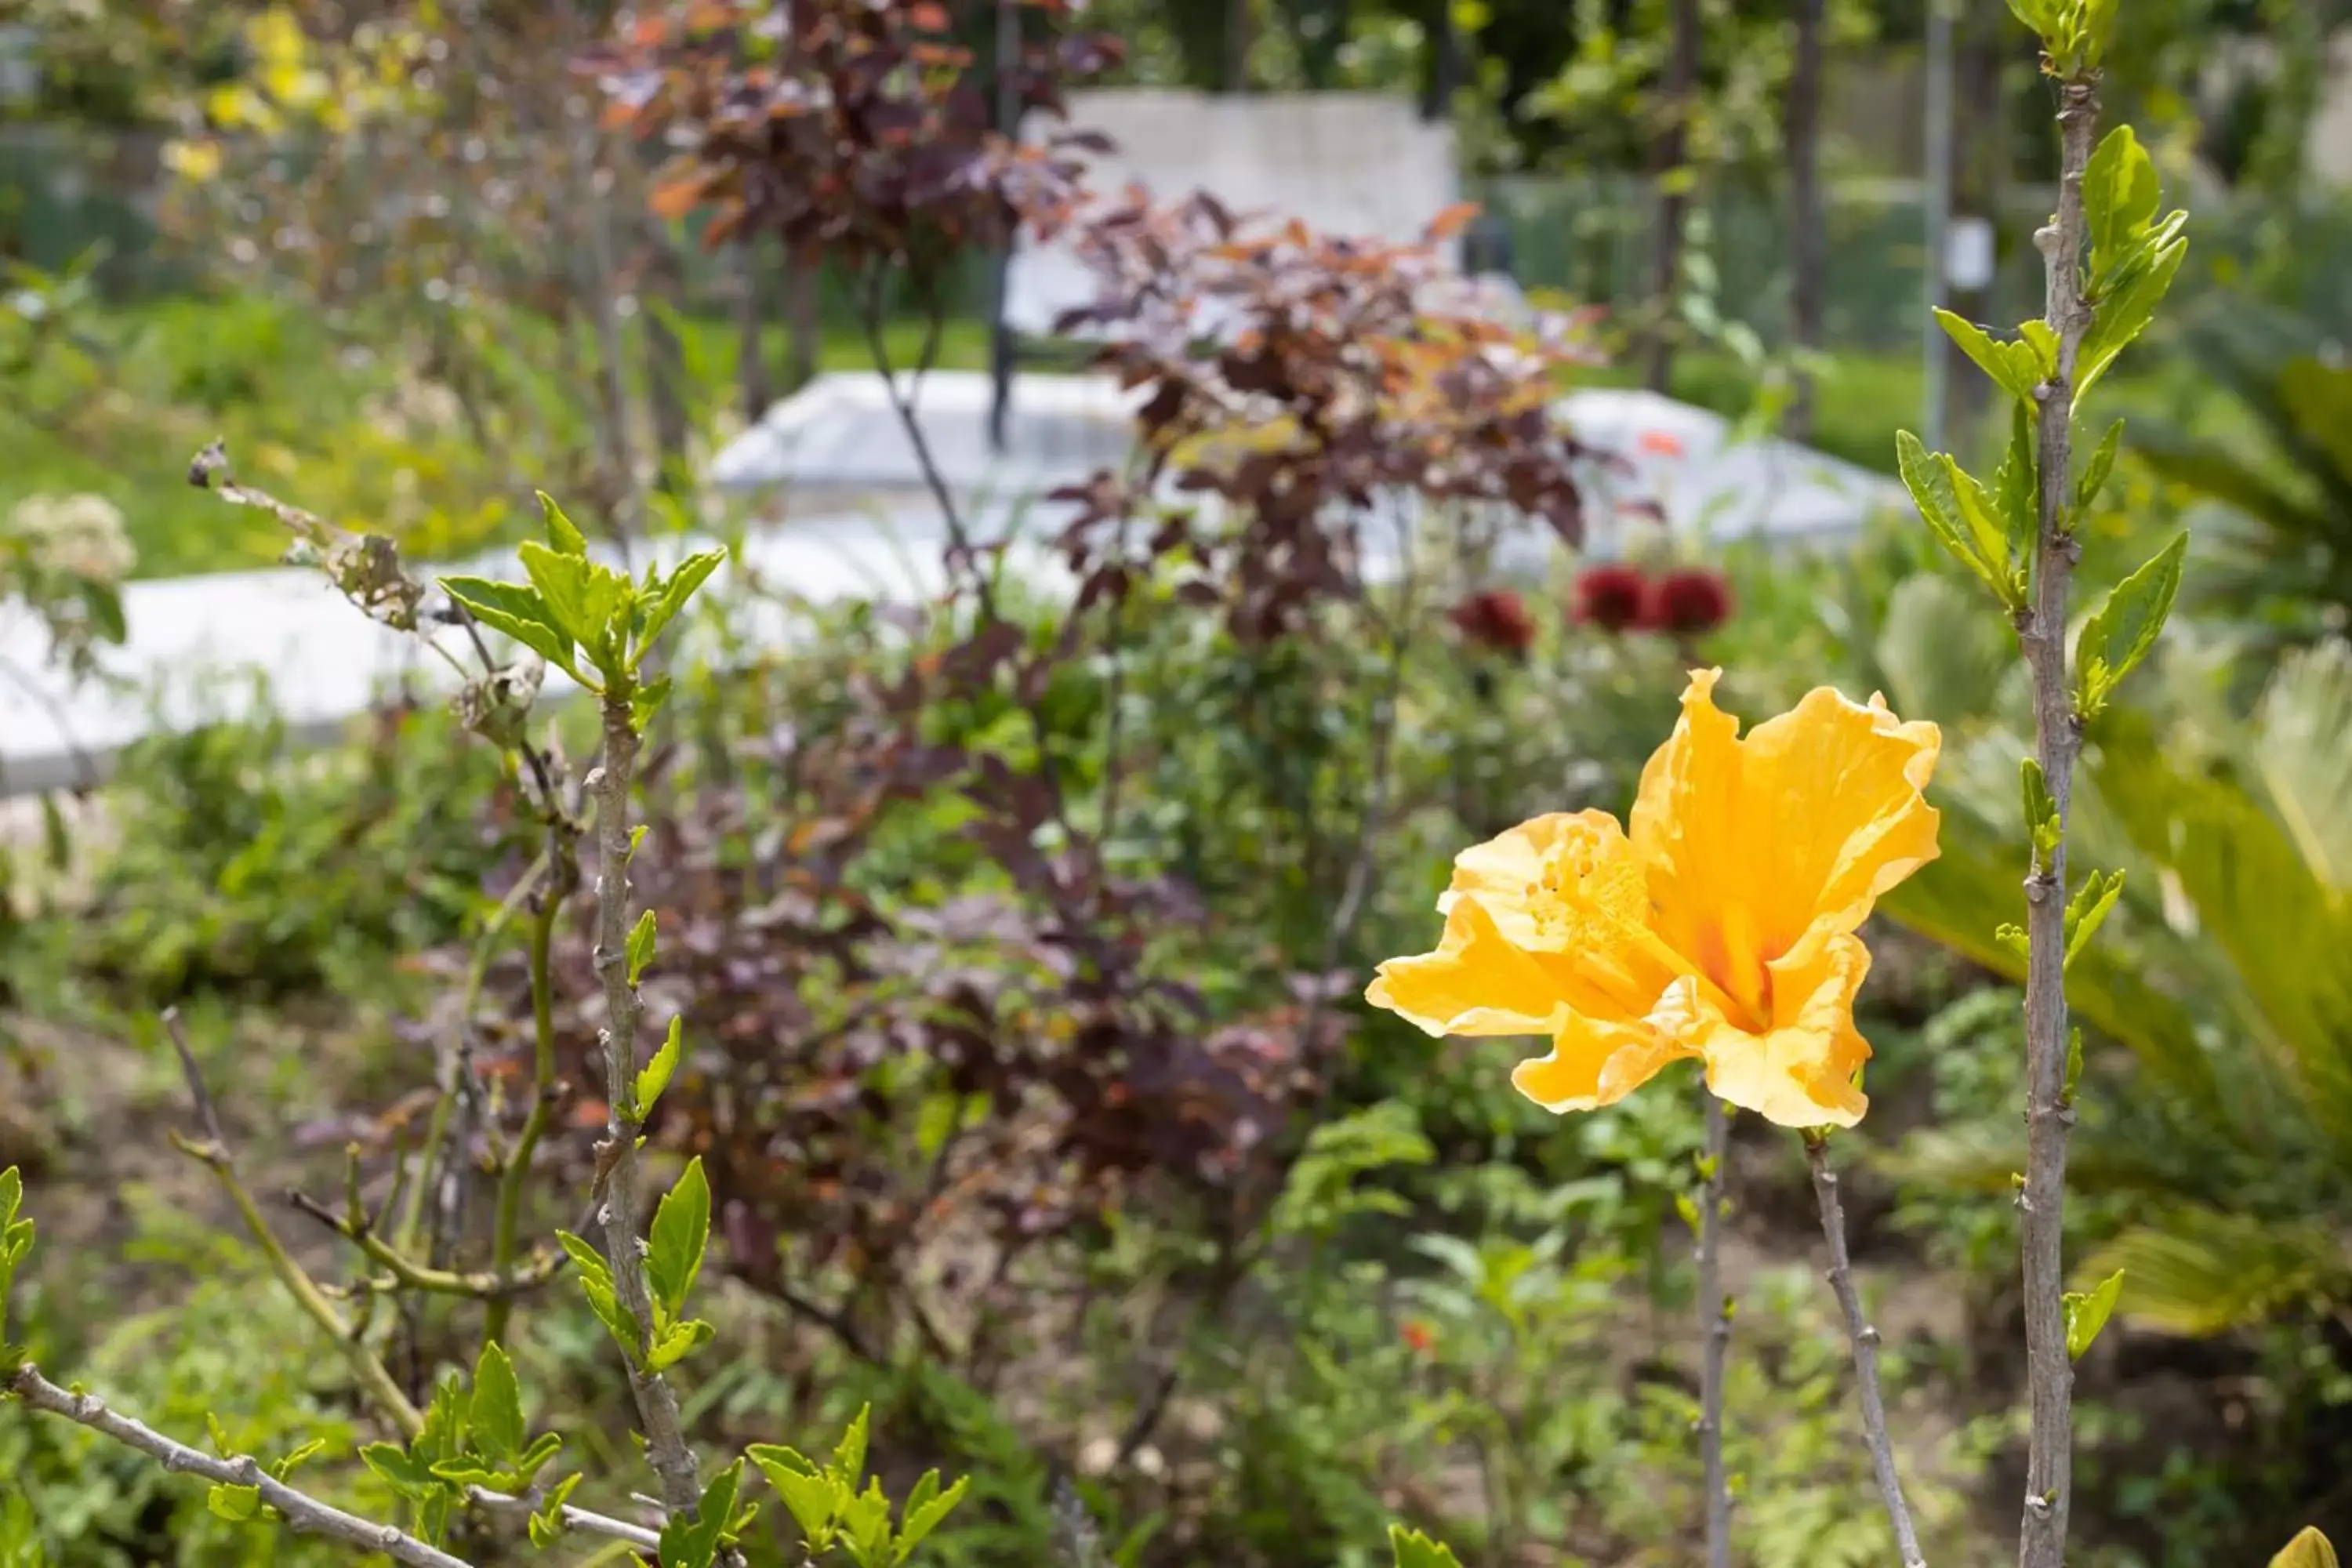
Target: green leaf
[[866, 1522], [2138, 285], [681, 1231], [849, 1454], [1933, 480], [646, 701], [2041, 809], [2073, 1066], [677, 1343], [595, 1277], [2119, 636], [2015, 367], [236, 1503], [407, 1474], [925, 1512], [695, 1542], [547, 1523], [2088, 910], [673, 594], [2086, 1314], [2099, 31], [655, 1076], [2120, 194], [1414, 1550], [542, 1448], [641, 945], [300, 1456], [562, 536], [2309, 1549], [2102, 463], [495, 1416], [2016, 489], [585, 1258], [515, 611], [810, 1496]]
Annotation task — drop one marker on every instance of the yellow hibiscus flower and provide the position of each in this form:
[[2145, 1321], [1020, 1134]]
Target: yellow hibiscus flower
[[1721, 927]]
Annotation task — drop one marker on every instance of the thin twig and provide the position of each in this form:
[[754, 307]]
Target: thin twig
[[2057, 740], [305, 1513], [665, 1445], [1715, 1329], [213, 1153], [585, 1521], [1866, 1353]]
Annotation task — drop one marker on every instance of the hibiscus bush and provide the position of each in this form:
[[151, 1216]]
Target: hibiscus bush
[[948, 1090]]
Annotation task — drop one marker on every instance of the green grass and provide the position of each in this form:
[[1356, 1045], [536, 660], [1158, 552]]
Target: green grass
[[294, 409]]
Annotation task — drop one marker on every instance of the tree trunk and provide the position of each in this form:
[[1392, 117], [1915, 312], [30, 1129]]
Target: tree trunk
[[754, 390], [803, 323], [664, 284], [1808, 242], [1674, 184]]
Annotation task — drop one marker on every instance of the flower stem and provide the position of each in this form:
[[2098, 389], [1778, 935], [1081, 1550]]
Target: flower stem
[[1714, 1327], [2057, 732], [1865, 1339]]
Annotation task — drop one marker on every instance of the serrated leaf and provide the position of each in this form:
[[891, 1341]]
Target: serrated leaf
[[2016, 492], [925, 1512], [680, 1233], [655, 1076], [677, 1343], [547, 1523], [810, 1496], [2125, 311], [865, 1524], [1411, 1549], [695, 1542], [674, 593], [2015, 372], [2099, 31], [585, 1257], [234, 1503], [406, 1473], [2087, 1313], [1928, 476], [2125, 628], [2041, 807], [641, 945], [2087, 910], [2014, 938], [646, 701], [217, 1435], [494, 1416], [515, 612], [302, 1455], [2309, 1549], [2102, 463], [849, 1454], [12, 1197], [2120, 194], [562, 536]]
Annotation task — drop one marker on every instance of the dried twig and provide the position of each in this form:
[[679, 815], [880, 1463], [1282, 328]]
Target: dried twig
[[2057, 740], [1865, 1339], [303, 1512]]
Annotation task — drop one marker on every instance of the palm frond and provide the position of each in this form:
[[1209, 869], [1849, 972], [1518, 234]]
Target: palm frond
[[2200, 1271]]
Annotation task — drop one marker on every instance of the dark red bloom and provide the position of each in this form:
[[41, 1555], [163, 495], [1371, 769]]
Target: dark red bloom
[[1419, 1336], [1688, 601], [1614, 598], [1495, 619]]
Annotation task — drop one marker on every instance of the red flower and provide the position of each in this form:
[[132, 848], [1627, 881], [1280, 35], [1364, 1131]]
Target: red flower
[[1688, 601], [1662, 443], [1495, 619], [1614, 598], [1419, 1336]]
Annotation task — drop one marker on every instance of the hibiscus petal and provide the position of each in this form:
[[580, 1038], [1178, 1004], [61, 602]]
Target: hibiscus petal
[[1567, 889], [1594, 1063], [1798, 1070], [1477, 982], [1751, 843]]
